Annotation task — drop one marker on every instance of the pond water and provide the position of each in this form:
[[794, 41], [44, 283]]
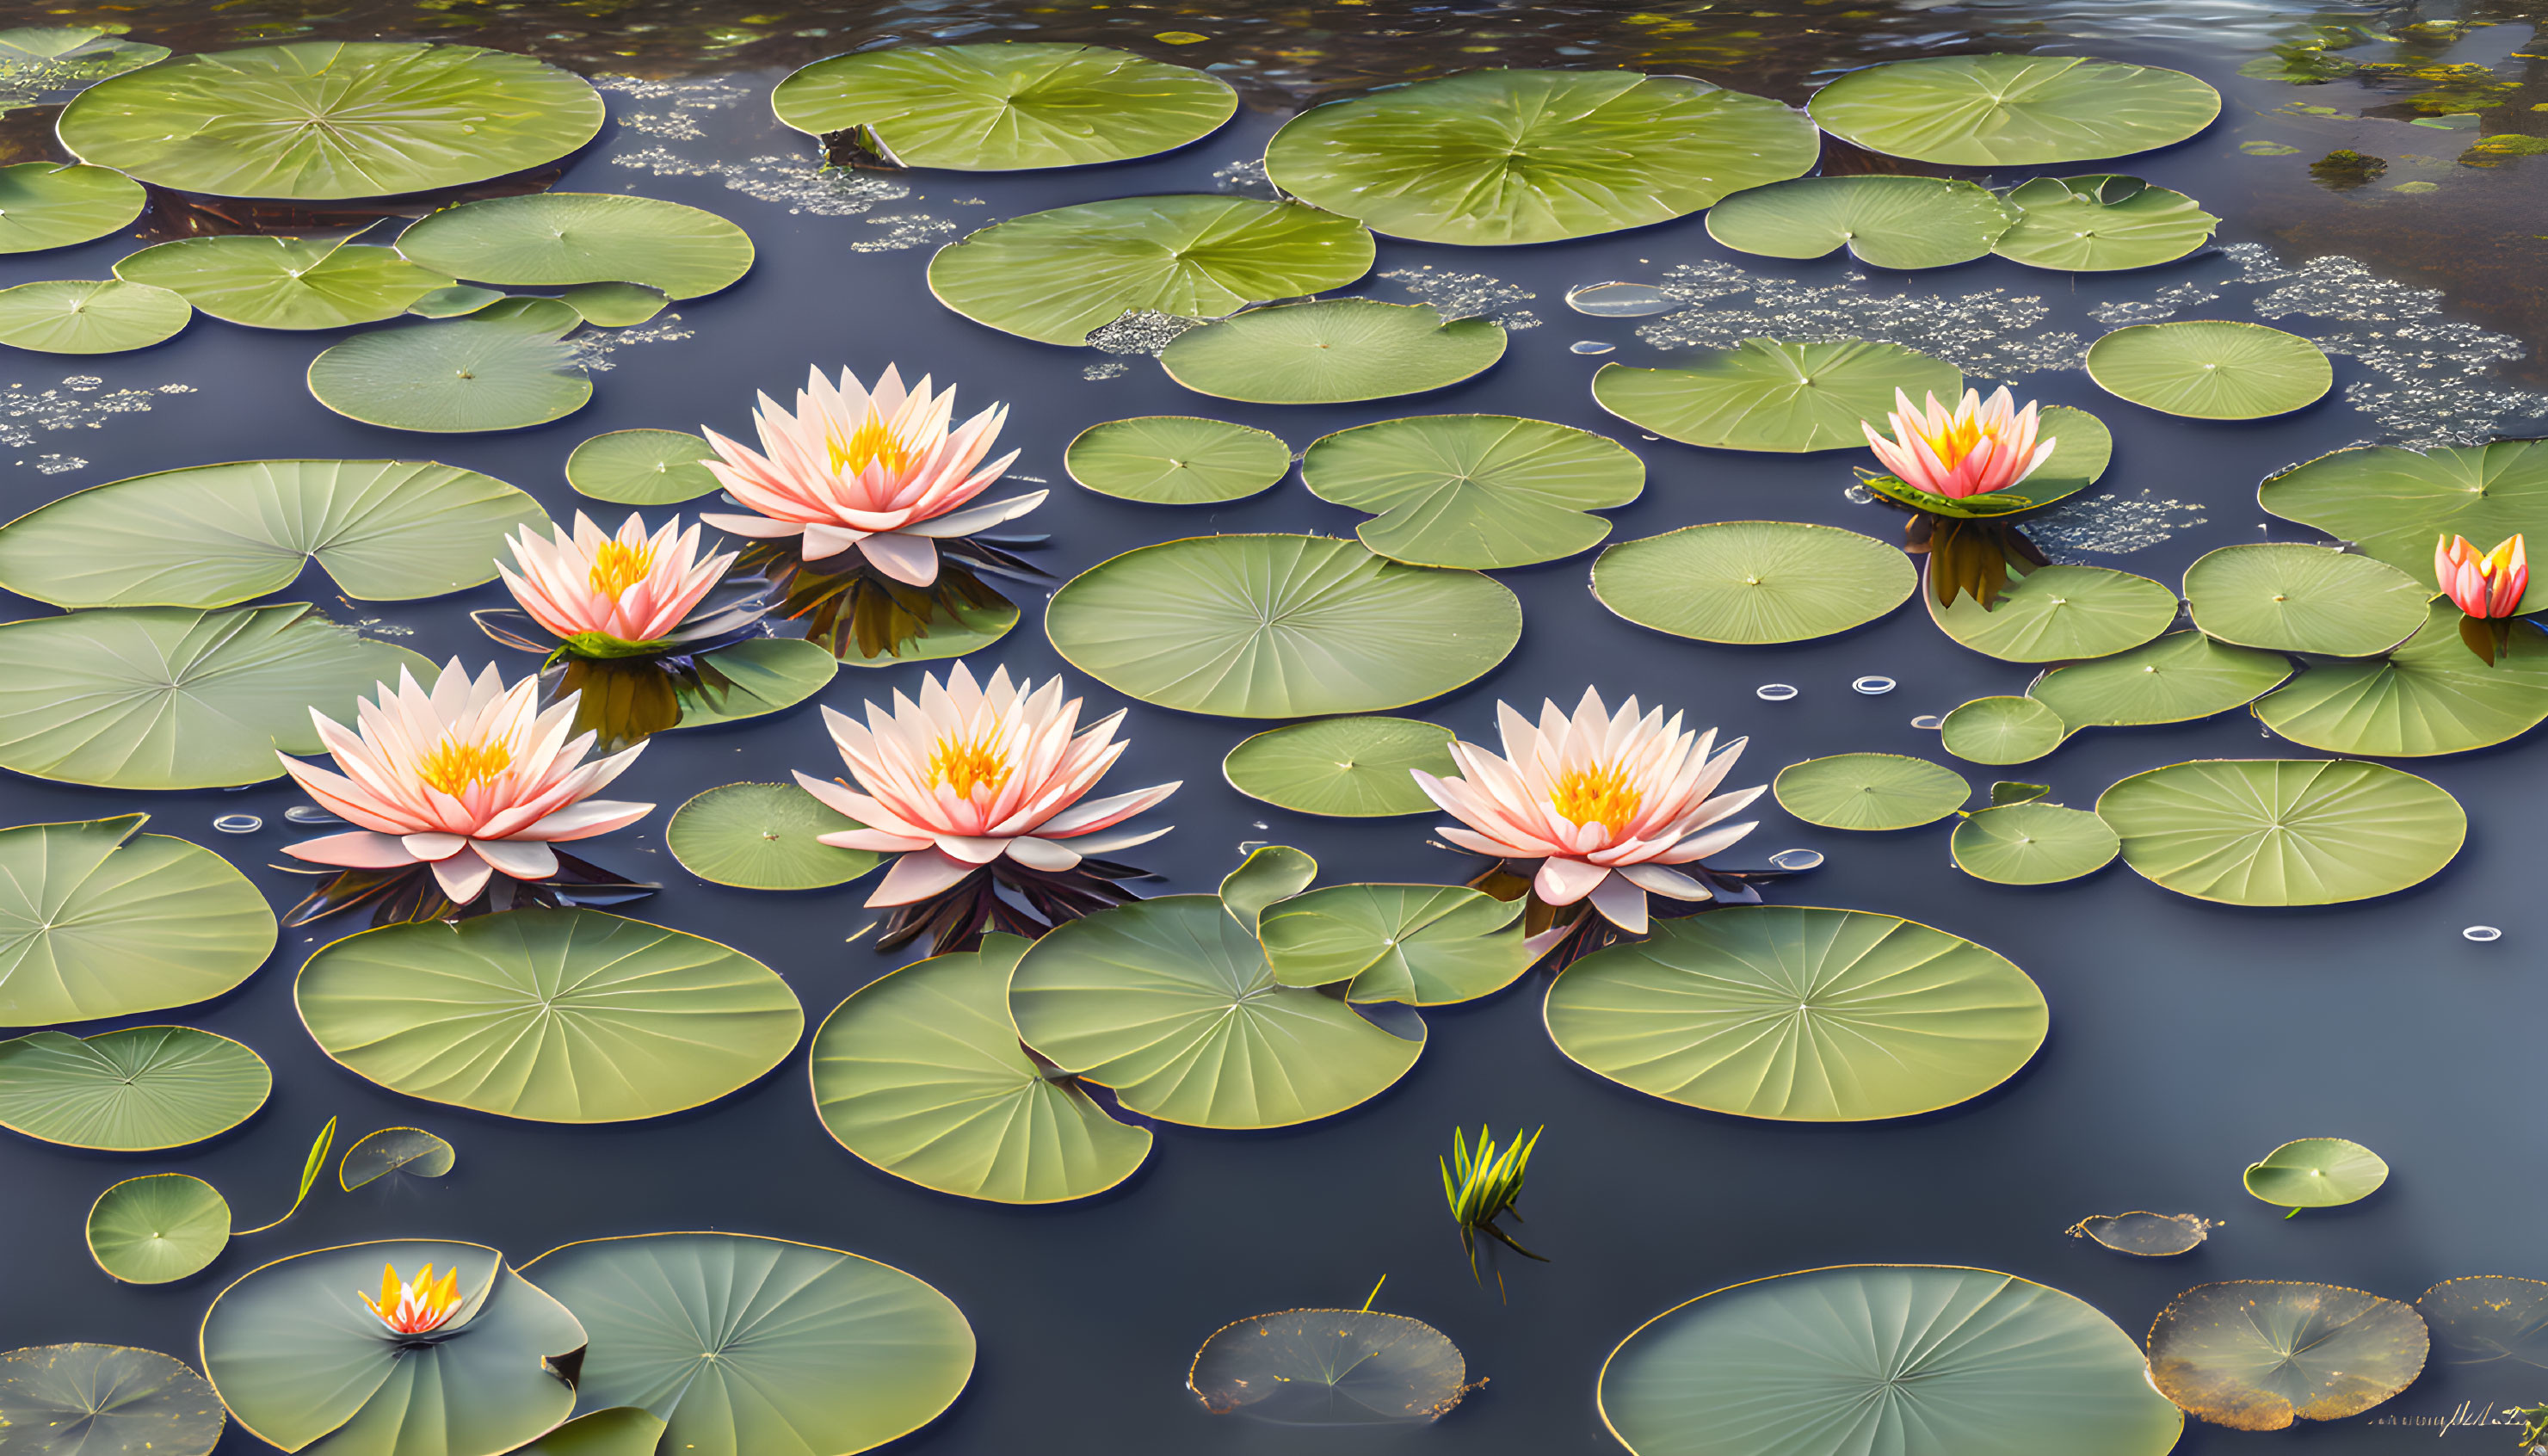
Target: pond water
[[2187, 1039]]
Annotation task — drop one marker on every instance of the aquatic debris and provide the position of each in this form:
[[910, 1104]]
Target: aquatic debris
[[2149, 1235]]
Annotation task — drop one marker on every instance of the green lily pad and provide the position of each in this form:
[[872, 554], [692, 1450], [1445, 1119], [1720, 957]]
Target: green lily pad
[[2032, 844], [457, 301], [411, 1150], [1277, 626], [284, 282], [1474, 491], [2206, 369], [135, 1091], [641, 467], [762, 837], [1907, 1360], [1754, 582], [1349, 768], [52, 57], [550, 239], [1329, 1367], [1007, 106], [325, 119], [456, 378], [766, 675], [2394, 502], [1176, 460], [1884, 221], [919, 1072], [97, 919], [750, 1345], [215, 535], [153, 697], [297, 1356], [2316, 1173], [1170, 1003], [78, 316], [1058, 275], [56, 204], [1269, 874], [2003, 730], [2145, 1235], [2430, 696], [2100, 224], [550, 1016], [1871, 792], [2287, 597], [1799, 1015], [158, 1228], [107, 1400], [969, 630], [1331, 351], [1998, 111], [1421, 944], [2060, 613], [615, 305], [2486, 1318], [2181, 677], [1514, 156], [2283, 830], [2257, 1354], [1768, 395]]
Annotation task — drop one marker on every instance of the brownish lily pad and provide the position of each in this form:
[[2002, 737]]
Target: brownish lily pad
[[2146, 1234], [2488, 1318], [2257, 1354]]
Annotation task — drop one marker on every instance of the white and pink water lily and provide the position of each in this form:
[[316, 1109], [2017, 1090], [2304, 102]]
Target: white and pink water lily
[[974, 772], [879, 472], [1607, 804], [1979, 446], [630, 586], [472, 778]]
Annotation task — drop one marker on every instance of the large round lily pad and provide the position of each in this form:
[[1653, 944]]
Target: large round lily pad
[[1754, 582], [1006, 106], [1768, 395], [2099, 224], [1277, 626], [1884, 221], [1424, 944], [2206, 369], [2057, 614], [553, 1016], [1475, 490], [455, 377], [2007, 110], [2002, 730], [107, 1400], [284, 282], [2257, 1354], [1906, 1360], [2177, 679], [156, 698], [2032, 844], [2486, 1318], [1172, 1003], [2316, 1173], [1516, 156], [641, 467], [129, 1091], [2395, 502], [2289, 596], [326, 119], [90, 317], [2284, 831], [1331, 351], [97, 919], [158, 1228], [1871, 792], [1351, 767], [1798, 1014], [2430, 696], [54, 205], [920, 1073], [1058, 275], [554, 240], [764, 836], [1176, 460], [1329, 1367]]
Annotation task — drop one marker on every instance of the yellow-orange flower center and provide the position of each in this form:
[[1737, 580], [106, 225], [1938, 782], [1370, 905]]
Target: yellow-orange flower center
[[873, 443], [454, 766], [415, 1306], [617, 566], [968, 764], [1956, 441], [1600, 794]]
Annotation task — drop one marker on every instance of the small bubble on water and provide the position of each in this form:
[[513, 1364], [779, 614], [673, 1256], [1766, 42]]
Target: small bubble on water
[[239, 824], [1620, 300], [1873, 687], [1590, 346], [1793, 859], [1774, 692], [310, 814], [2481, 934], [1929, 720], [1859, 495], [1251, 845]]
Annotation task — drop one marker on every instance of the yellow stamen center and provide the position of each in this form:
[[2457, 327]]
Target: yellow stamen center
[[966, 765], [454, 766], [617, 566], [873, 443], [1956, 441], [1600, 795]]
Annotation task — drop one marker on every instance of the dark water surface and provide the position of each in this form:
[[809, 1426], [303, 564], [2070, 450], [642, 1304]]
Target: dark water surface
[[2187, 1039]]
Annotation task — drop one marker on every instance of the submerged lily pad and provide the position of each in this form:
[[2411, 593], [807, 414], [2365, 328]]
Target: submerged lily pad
[[1421, 944], [1800, 1015], [2145, 1235], [1768, 395], [2284, 831], [552, 239], [2005, 110], [456, 378], [764, 836], [80, 316], [1514, 156], [1754, 582], [2430, 696], [328, 119], [1329, 1367], [1331, 351], [158, 1228], [284, 282], [2394, 503], [641, 467], [1871, 792], [2002, 730], [2257, 1354], [1278, 626], [919, 1072], [2181, 677], [1176, 460], [2099, 224], [2316, 1173], [56, 204], [1884, 221], [1474, 491], [551, 1016], [2288, 597], [2206, 369], [134, 1090], [99, 920], [107, 1400], [1006, 106], [2032, 844], [1058, 275], [2487, 1318], [411, 1150], [2057, 614], [1349, 768]]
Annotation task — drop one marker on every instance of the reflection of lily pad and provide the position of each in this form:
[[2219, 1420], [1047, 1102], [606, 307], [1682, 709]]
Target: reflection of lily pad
[[106, 1401], [129, 1091], [2316, 1173], [552, 239], [409, 1151], [950, 632], [919, 1072], [641, 467], [2288, 597], [1352, 767], [2257, 1354], [764, 836], [763, 676], [1424, 944], [2032, 844], [1331, 351], [2056, 613], [1754, 581], [2284, 831], [1176, 460], [2006, 110], [1006, 106], [1800, 1015], [1871, 792], [1329, 1367], [2394, 503], [158, 1228], [97, 919], [52, 57], [54, 205], [284, 282], [2095, 225], [2145, 1235], [2430, 696], [1475, 490], [2177, 679], [2002, 730], [1883, 222], [1766, 394], [2205, 369], [79, 317], [455, 377], [2488, 1318]]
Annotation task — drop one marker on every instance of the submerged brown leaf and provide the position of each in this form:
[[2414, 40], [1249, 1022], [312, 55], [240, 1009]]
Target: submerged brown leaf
[[2257, 1354]]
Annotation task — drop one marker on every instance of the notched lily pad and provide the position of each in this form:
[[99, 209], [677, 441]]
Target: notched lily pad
[[158, 1228], [641, 467], [1884, 221], [457, 378], [2289, 597], [1351, 767], [97, 919], [1003, 107], [1176, 460], [2010, 110], [1754, 582], [2257, 1354], [2394, 503], [1474, 491], [2316, 1173], [2100, 224], [2002, 730], [1766, 393], [555, 240], [1871, 792], [2430, 696], [2284, 831], [284, 282], [82, 317], [409, 1151], [133, 1090], [2028, 841], [2060, 613], [764, 836], [1421, 944], [2206, 369], [2149, 1236], [2181, 677], [1329, 1367], [56, 204], [1331, 351]]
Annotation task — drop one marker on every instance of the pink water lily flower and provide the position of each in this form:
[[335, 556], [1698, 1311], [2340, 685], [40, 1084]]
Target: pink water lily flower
[[2483, 583], [972, 773], [1606, 803], [876, 471], [1983, 447], [472, 778], [631, 586]]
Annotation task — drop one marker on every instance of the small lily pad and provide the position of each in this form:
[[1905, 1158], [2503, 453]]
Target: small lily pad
[[74, 317], [284, 282], [2033, 843], [134, 1090], [641, 467], [1176, 460], [2181, 677], [1329, 1367], [2487, 1318], [2095, 225], [762, 837], [2288, 597], [1006, 106], [56, 204], [552, 239], [1331, 351], [1768, 395], [1884, 221], [547, 318], [1474, 491], [2206, 369], [455, 302], [1348, 768], [106, 1401], [1421, 944], [1871, 792], [158, 1228], [2284, 831], [2003, 730], [2257, 1354], [455, 377], [2316, 1173], [615, 305], [2010, 110], [2060, 613], [411, 1150], [2430, 696], [1754, 582], [2145, 1235]]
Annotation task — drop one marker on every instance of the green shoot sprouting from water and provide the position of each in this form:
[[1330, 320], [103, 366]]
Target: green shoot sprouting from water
[[1483, 1187], [2534, 1430]]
